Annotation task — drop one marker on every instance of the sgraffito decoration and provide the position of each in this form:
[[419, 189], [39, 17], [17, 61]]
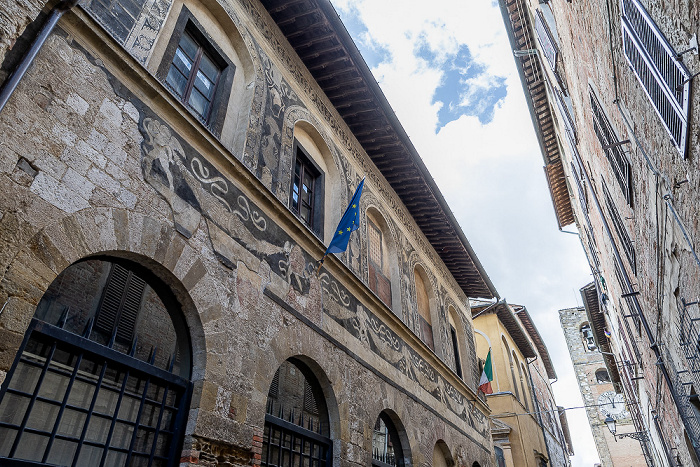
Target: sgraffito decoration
[[194, 188], [135, 25]]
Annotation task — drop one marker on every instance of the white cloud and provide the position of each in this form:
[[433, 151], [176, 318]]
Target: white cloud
[[491, 174]]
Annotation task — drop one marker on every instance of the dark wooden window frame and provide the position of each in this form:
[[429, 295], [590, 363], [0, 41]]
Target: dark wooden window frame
[[318, 192], [455, 347], [187, 23], [613, 147]]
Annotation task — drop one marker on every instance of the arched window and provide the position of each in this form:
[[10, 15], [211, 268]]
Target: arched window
[[423, 299], [602, 376], [314, 181], [441, 455], [587, 337], [524, 385], [512, 367], [382, 260], [386, 443], [102, 376], [455, 339], [297, 430]]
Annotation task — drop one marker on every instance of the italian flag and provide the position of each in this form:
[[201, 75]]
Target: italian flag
[[486, 376]]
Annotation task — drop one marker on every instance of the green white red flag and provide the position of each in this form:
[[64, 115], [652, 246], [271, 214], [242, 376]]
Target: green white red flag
[[486, 376]]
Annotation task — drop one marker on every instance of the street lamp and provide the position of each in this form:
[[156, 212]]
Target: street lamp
[[640, 436]]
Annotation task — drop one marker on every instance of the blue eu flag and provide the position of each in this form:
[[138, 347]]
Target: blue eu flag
[[348, 223]]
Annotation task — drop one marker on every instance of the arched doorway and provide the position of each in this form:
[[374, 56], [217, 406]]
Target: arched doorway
[[387, 449], [297, 428], [102, 375]]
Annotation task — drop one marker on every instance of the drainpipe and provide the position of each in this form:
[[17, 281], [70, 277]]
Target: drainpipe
[[54, 15]]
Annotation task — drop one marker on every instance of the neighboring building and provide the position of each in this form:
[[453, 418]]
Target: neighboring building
[[598, 392], [610, 86], [171, 172], [526, 422]]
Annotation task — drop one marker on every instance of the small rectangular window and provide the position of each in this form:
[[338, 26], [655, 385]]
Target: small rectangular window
[[375, 244], [455, 346], [665, 79], [547, 41], [621, 230], [193, 76], [306, 193], [613, 147]]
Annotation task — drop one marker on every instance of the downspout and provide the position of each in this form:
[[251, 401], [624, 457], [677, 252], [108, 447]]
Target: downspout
[[537, 408], [13, 81]]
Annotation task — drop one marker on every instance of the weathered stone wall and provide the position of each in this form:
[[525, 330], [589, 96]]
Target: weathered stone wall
[[98, 158], [622, 452], [665, 271]]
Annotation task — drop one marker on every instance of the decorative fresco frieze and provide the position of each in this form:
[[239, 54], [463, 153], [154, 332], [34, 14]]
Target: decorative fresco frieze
[[294, 67], [195, 189], [135, 25]]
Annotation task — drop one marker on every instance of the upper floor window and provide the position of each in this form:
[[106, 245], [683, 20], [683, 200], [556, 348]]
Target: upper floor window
[[199, 73], [664, 78], [423, 303], [613, 147], [193, 75], [588, 339], [382, 259], [455, 340], [602, 376], [621, 230], [304, 200]]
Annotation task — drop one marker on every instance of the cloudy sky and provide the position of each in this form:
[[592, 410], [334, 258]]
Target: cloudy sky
[[447, 69]]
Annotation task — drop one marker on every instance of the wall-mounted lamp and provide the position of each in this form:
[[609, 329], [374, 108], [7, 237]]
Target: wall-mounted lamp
[[640, 436]]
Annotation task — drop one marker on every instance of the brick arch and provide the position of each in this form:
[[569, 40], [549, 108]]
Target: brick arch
[[119, 233]]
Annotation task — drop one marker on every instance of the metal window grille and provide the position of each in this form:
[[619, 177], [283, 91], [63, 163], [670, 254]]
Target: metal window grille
[[682, 381], [665, 79], [546, 39], [71, 401], [612, 147], [621, 230], [286, 443]]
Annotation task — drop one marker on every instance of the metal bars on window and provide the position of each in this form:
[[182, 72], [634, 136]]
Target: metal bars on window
[[71, 401], [621, 230], [286, 444], [546, 39], [665, 79], [612, 147]]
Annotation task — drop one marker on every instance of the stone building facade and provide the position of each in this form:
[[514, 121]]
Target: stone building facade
[[598, 392], [171, 172], [610, 85], [526, 423]]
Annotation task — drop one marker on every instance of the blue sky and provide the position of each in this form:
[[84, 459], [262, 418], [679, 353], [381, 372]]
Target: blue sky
[[448, 72]]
